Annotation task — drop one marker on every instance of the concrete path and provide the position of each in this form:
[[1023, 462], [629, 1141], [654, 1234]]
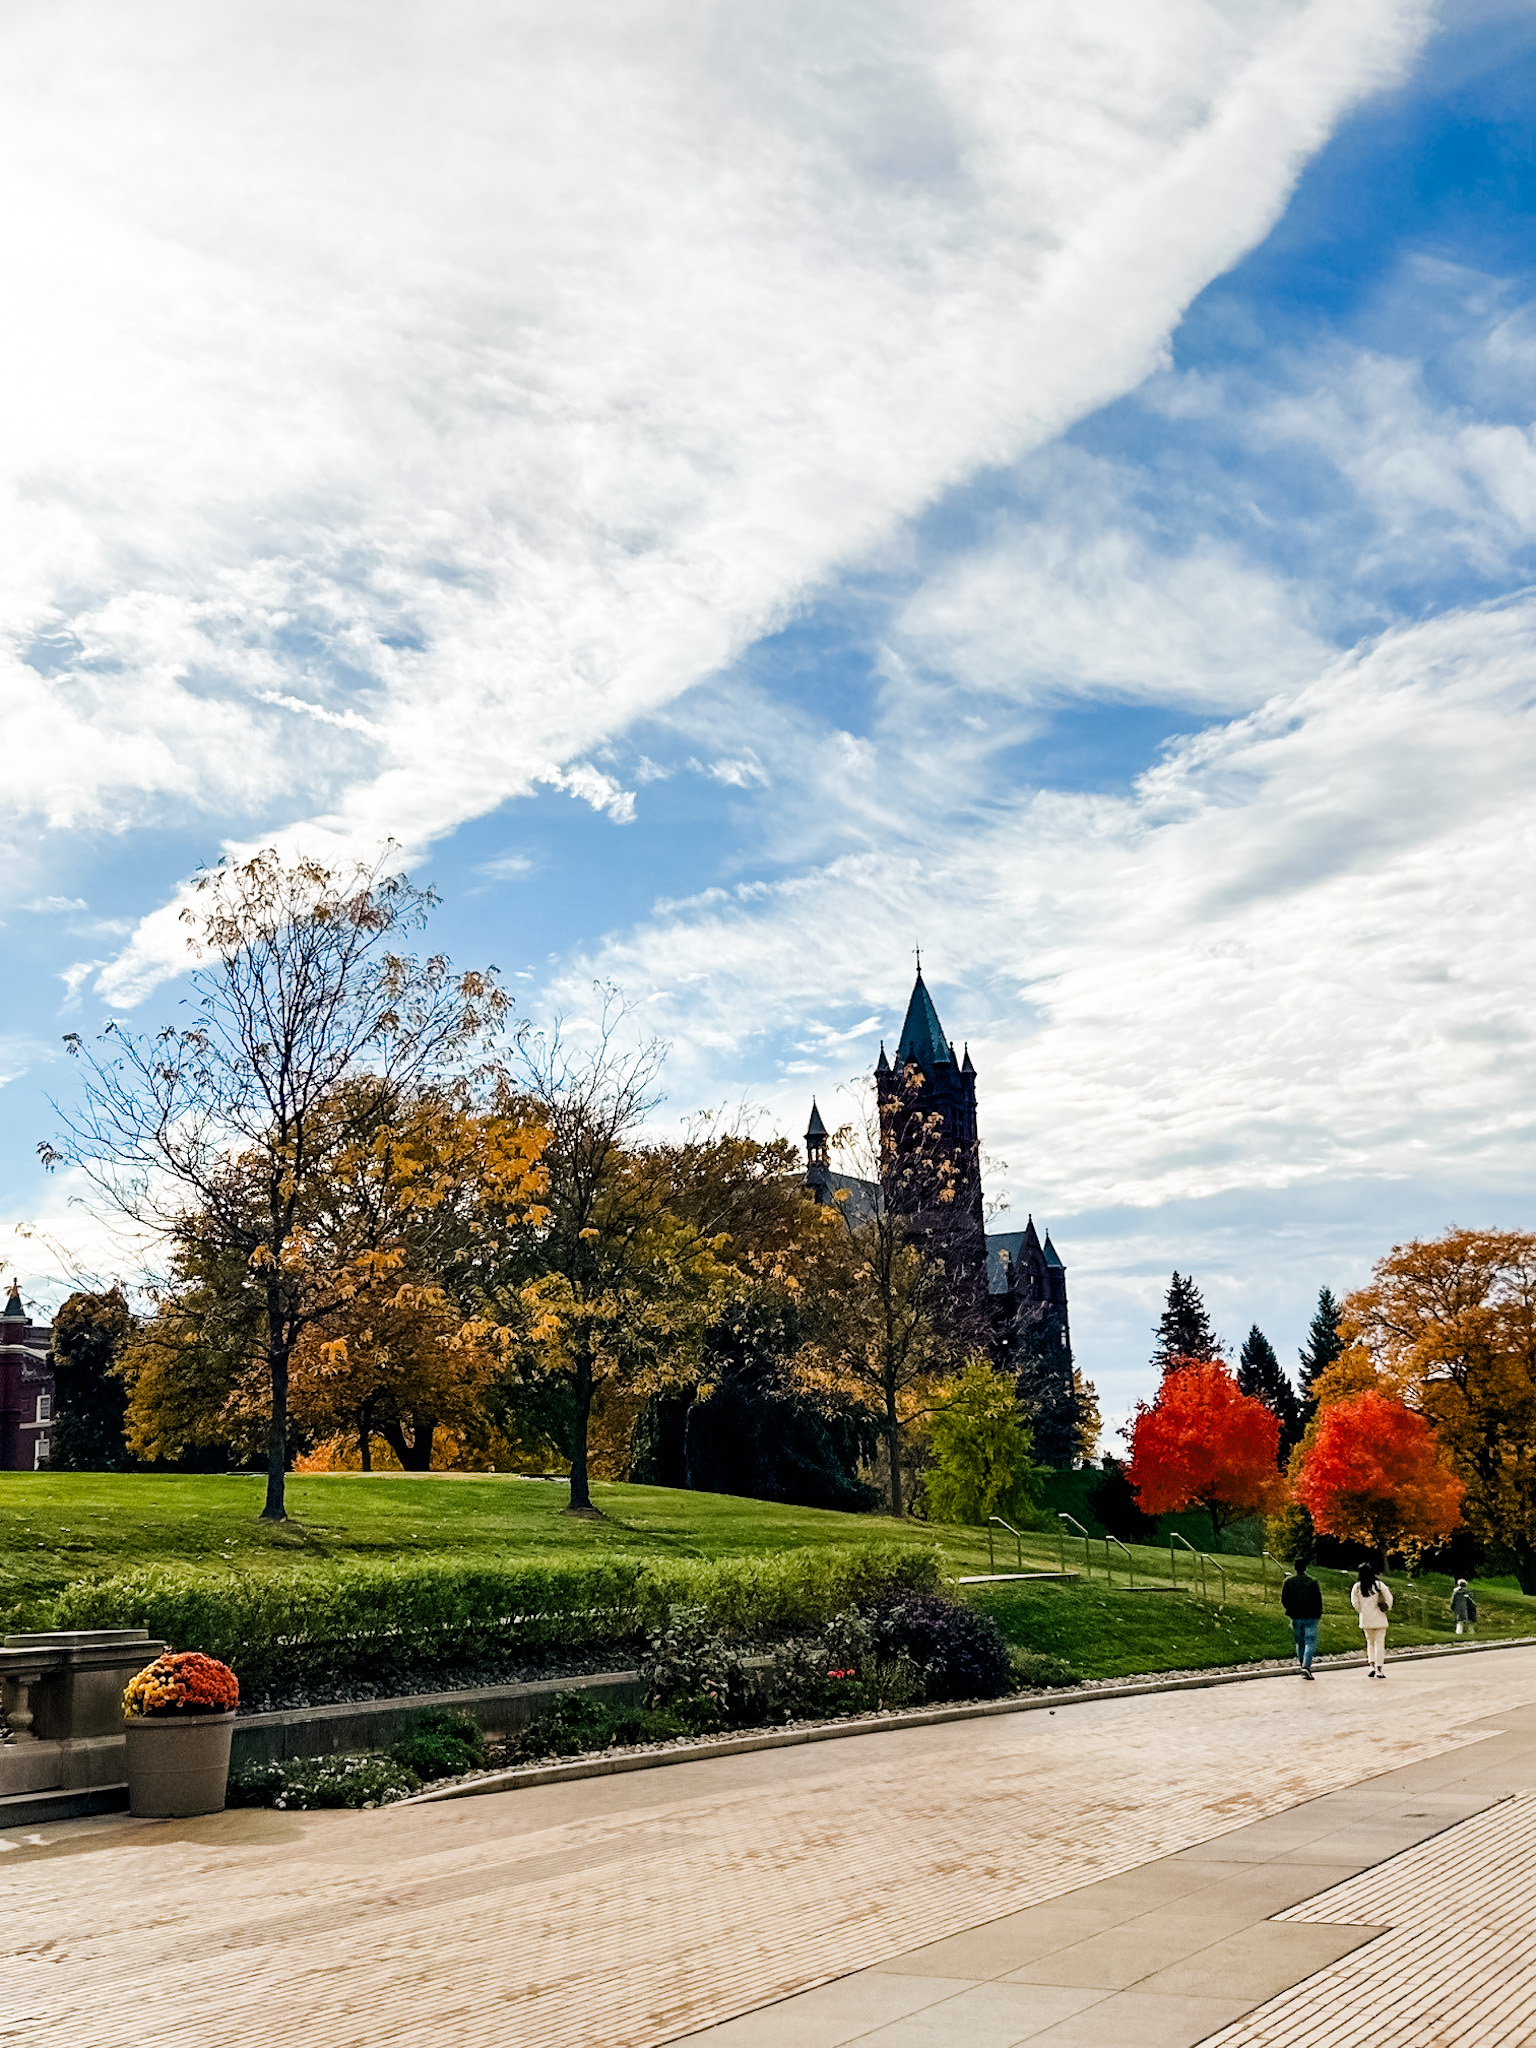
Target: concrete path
[[1003, 1864]]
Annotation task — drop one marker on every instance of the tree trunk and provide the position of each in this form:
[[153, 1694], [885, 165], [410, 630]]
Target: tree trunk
[[580, 1502], [1525, 1564], [893, 1452], [413, 1451], [276, 1509], [365, 1437]]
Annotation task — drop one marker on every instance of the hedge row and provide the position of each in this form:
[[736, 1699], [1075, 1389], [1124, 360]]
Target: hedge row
[[362, 1619]]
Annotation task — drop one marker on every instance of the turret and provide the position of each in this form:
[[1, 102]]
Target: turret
[[815, 1138]]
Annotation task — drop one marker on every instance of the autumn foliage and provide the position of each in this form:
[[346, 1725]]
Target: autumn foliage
[[1204, 1443], [1450, 1324], [1373, 1474]]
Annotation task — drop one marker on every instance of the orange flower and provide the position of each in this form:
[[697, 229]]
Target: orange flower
[[182, 1682]]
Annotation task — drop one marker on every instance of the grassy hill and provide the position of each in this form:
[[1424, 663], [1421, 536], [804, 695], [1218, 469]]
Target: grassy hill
[[58, 1527]]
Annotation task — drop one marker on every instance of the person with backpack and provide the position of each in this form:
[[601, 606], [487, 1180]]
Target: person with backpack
[[1302, 1598], [1371, 1599], [1463, 1606]]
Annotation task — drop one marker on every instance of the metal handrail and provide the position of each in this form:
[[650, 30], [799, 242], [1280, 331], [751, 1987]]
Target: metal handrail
[[1087, 1540], [1130, 1562], [1264, 1568], [1204, 1560], [1018, 1541]]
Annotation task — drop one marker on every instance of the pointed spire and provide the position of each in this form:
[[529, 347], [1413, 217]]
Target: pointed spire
[[1052, 1256], [815, 1138], [1031, 1238], [965, 1064], [14, 1312], [882, 1065], [922, 1035]]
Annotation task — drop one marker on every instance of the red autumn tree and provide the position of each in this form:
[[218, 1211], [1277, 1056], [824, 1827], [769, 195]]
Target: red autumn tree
[[1373, 1474], [1204, 1443]]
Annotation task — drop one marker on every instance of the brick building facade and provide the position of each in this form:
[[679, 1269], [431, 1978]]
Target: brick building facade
[[26, 1389]]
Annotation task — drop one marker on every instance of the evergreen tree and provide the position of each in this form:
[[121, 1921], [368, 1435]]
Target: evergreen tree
[[91, 1400], [1260, 1373], [1323, 1346], [1184, 1330]]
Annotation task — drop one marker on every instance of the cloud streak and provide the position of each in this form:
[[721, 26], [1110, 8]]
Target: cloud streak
[[391, 430]]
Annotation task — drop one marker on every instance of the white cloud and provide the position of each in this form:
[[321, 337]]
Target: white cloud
[[1081, 604], [507, 867], [406, 402], [1296, 955]]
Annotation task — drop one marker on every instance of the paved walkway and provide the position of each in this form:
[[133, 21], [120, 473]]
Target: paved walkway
[[915, 1868]]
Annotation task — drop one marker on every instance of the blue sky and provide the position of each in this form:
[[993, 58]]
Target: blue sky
[[738, 502]]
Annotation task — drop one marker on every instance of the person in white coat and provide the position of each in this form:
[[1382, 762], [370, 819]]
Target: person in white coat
[[1371, 1599]]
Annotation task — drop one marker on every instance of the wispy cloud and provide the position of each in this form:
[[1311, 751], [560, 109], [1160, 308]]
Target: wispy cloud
[[558, 362]]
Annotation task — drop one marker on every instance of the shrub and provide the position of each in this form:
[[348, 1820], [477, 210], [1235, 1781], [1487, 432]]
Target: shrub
[[693, 1671], [181, 1682], [323, 1781], [367, 1619], [959, 1653], [1035, 1668], [762, 1597], [576, 1724], [441, 1744]]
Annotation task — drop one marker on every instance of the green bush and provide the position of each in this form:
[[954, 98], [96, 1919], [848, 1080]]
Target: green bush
[[576, 1723], [441, 1744], [323, 1781], [364, 1619]]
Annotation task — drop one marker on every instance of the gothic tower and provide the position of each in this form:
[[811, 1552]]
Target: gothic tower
[[930, 1154]]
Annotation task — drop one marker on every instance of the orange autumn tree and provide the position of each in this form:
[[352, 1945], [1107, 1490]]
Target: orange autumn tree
[[1373, 1474], [1203, 1443], [1450, 1324]]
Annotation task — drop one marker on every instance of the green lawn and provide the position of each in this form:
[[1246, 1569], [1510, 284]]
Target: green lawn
[[56, 1527]]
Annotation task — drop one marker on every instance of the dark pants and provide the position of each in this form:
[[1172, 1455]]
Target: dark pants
[[1305, 1633]]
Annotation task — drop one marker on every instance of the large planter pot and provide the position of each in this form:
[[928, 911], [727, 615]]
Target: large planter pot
[[178, 1764]]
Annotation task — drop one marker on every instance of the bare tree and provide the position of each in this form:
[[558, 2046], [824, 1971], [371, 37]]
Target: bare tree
[[311, 1025]]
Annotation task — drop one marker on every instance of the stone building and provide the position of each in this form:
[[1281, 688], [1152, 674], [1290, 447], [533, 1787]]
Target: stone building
[[26, 1389], [1010, 1286]]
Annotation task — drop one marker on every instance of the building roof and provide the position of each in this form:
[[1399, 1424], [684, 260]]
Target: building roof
[[922, 1035], [14, 1312], [1051, 1257], [864, 1198], [815, 1128]]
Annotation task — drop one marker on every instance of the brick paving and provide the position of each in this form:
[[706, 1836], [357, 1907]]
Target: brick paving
[[625, 1912], [1455, 1965]]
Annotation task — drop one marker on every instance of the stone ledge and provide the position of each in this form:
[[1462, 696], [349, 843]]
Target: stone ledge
[[292, 1733], [32, 1809]]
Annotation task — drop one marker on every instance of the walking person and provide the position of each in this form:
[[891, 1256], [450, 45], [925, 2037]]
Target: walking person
[[1464, 1607], [1371, 1599], [1302, 1599]]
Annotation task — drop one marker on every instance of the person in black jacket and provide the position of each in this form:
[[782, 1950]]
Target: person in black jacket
[[1302, 1599]]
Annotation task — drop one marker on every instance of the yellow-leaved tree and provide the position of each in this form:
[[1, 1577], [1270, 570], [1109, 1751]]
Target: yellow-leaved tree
[[1449, 1326]]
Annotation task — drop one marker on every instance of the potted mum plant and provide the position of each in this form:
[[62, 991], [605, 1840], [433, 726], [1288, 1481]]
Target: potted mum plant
[[179, 1714]]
